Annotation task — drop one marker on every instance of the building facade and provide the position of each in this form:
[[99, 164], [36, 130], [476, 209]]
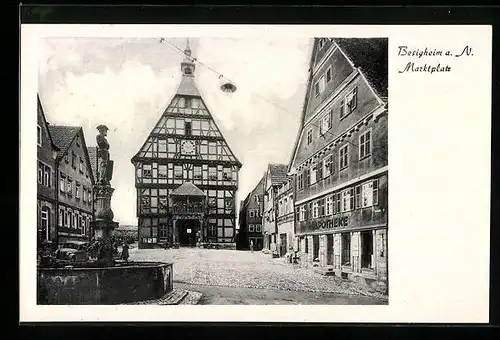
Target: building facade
[[251, 212], [339, 162], [186, 176], [275, 175], [285, 217], [74, 184], [46, 185]]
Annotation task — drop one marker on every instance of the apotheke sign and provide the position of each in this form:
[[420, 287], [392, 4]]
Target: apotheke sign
[[336, 222]]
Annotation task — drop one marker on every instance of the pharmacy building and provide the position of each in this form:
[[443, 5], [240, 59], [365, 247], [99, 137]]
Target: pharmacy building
[[339, 162]]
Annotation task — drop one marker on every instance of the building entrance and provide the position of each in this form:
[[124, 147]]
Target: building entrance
[[366, 249], [188, 230]]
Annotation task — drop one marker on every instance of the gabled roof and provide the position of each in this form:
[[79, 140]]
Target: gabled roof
[[92, 150], [369, 55], [187, 189], [63, 137], [42, 113], [277, 173]]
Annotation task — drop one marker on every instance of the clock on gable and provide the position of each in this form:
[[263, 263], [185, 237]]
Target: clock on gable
[[188, 147]]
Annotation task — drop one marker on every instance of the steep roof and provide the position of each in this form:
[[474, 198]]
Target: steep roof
[[62, 137], [187, 189], [187, 87], [369, 55], [277, 173], [92, 150], [42, 113]]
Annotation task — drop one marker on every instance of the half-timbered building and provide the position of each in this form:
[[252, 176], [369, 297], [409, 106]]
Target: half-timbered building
[[340, 161], [186, 176]]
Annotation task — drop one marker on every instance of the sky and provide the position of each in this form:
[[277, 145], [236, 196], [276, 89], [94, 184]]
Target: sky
[[126, 84]]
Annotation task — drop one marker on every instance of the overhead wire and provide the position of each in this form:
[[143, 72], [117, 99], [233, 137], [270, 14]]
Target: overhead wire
[[220, 76]]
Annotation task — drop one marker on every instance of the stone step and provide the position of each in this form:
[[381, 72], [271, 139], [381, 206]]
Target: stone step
[[192, 298]]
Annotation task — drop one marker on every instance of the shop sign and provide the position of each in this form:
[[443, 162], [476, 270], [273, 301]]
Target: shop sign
[[336, 222]]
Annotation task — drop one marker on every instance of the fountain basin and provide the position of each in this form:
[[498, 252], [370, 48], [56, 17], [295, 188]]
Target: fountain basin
[[123, 283]]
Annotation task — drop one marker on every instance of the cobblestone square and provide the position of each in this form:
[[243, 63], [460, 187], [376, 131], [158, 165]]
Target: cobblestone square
[[248, 271]]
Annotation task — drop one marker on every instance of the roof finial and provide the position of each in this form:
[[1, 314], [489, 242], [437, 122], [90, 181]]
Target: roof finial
[[187, 50]]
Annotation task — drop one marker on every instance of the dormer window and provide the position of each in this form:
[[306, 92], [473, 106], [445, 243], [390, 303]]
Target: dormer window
[[309, 136], [349, 103], [321, 43], [39, 135]]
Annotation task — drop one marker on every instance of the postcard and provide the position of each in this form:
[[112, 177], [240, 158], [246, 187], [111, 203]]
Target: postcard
[[273, 173]]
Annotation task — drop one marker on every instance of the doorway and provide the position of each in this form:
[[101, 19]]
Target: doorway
[[315, 247], [329, 250], [346, 249], [283, 245], [366, 249], [187, 232]]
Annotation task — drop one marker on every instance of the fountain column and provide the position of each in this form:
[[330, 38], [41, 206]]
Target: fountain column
[[103, 224]]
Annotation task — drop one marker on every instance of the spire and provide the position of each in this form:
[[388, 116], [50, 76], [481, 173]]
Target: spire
[[187, 86], [187, 65]]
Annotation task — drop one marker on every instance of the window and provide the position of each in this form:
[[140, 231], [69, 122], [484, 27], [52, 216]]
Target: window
[[77, 190], [309, 136], [39, 135], [251, 228], [73, 160], [316, 89], [300, 181], [336, 203], [187, 128], [81, 165], [329, 75], [226, 174], [251, 213], [365, 144], [329, 206], [178, 171], [344, 157], [212, 173], [315, 209], [82, 224], [347, 200], [78, 140], [358, 196], [40, 172], [349, 103], [327, 166], [307, 180], [370, 194], [47, 176], [258, 228], [195, 103], [84, 194], [321, 43], [62, 182], [302, 213], [313, 171], [321, 207], [197, 172], [326, 122], [70, 187], [146, 171], [322, 84]]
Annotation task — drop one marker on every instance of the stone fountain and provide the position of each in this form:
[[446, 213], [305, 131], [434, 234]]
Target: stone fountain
[[105, 281]]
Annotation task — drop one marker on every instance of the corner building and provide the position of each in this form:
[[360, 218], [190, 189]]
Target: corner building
[[186, 176], [339, 163]]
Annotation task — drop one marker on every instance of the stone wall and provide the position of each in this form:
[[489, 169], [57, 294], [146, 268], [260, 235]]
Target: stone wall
[[104, 286]]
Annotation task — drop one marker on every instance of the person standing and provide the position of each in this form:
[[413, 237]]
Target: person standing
[[251, 246], [125, 253]]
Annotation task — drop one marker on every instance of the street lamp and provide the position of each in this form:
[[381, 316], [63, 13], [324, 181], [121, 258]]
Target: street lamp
[[226, 86]]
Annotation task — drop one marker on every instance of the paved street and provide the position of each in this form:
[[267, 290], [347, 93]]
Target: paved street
[[242, 277]]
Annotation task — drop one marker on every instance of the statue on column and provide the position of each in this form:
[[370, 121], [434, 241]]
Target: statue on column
[[105, 165]]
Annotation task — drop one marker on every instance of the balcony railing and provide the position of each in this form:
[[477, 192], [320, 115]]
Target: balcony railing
[[188, 209]]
